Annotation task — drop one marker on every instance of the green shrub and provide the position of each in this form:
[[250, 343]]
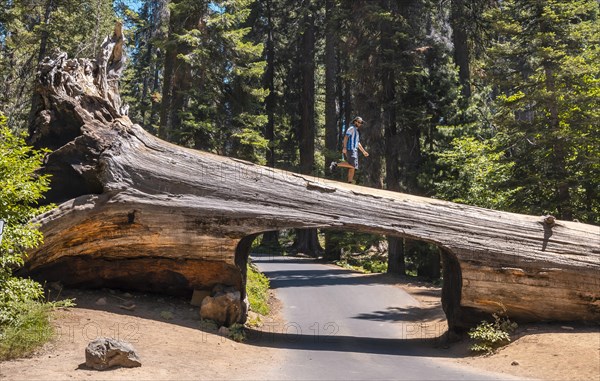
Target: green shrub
[[257, 289], [237, 333], [24, 316], [17, 293], [27, 331], [491, 336], [365, 263]]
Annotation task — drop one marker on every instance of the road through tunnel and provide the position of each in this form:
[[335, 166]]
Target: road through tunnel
[[450, 280]]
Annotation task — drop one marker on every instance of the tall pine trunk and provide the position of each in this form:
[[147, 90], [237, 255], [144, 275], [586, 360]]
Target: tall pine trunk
[[177, 74], [396, 260], [306, 239], [166, 125], [461, 45], [270, 239], [368, 99], [45, 35], [409, 143], [332, 250], [331, 131]]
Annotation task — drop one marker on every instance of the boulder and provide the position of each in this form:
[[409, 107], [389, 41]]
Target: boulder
[[224, 306], [198, 296], [104, 353]]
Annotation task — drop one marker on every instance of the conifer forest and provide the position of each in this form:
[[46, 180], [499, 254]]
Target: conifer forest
[[492, 103]]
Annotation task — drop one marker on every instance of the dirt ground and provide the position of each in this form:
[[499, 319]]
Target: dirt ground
[[175, 345], [537, 351]]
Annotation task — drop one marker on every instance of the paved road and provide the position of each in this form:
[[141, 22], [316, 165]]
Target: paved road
[[342, 326]]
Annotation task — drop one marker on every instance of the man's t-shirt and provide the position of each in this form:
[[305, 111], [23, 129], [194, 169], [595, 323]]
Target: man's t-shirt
[[353, 138]]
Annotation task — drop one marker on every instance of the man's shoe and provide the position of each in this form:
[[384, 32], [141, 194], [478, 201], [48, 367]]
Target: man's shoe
[[332, 166]]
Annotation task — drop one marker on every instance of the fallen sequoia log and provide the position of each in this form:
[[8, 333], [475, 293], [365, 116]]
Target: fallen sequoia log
[[140, 213]]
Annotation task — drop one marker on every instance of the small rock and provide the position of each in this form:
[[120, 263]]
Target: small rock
[[167, 315], [127, 306], [104, 353], [514, 363], [127, 295], [566, 327], [224, 308], [101, 302], [224, 331]]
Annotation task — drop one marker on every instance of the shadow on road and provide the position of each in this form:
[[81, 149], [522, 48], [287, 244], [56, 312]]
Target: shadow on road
[[395, 314], [332, 276], [429, 347]]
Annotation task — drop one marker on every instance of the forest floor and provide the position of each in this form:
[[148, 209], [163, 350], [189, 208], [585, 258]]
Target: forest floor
[[174, 344]]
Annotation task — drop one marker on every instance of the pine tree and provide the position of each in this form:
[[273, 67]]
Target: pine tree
[[213, 93], [142, 80], [31, 30], [545, 66]]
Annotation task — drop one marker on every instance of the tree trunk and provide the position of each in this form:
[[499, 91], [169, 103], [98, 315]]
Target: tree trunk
[[44, 37], [559, 173], [461, 45], [396, 260], [396, 264], [270, 84], [331, 131], [270, 240], [306, 239], [166, 124], [307, 99], [160, 12], [332, 251], [148, 215], [178, 75]]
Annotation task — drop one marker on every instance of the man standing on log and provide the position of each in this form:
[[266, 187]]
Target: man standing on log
[[351, 145]]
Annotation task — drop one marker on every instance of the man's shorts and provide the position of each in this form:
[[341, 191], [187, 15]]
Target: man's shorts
[[352, 158]]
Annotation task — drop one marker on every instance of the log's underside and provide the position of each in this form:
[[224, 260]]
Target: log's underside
[[140, 213]]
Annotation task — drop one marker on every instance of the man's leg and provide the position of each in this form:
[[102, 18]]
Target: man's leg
[[344, 164], [350, 174], [352, 159]]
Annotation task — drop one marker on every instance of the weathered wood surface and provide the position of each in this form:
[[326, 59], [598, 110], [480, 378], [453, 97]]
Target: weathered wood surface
[[141, 213]]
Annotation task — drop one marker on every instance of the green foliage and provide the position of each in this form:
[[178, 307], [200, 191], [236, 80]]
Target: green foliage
[[16, 294], [257, 289], [361, 252], [141, 86], [218, 71], [75, 26], [422, 259], [527, 141], [20, 190], [365, 264], [23, 316], [209, 325], [478, 175], [491, 336], [544, 66], [237, 332], [28, 330], [356, 243]]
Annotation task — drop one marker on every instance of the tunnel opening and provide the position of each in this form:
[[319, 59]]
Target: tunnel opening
[[439, 267]]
